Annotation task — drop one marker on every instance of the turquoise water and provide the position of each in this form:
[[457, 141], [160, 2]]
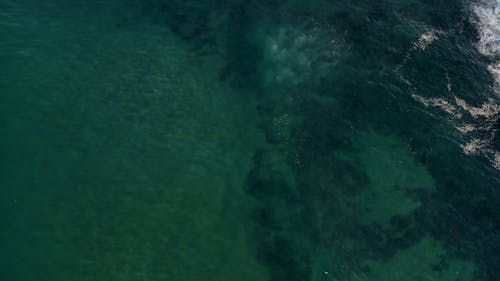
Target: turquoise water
[[249, 140]]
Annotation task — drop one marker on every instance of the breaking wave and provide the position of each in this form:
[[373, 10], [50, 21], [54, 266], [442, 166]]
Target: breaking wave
[[487, 19]]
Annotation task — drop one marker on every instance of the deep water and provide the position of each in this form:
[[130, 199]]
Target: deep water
[[248, 140]]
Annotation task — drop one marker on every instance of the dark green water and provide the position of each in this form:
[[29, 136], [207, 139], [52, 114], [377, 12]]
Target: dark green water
[[247, 140]]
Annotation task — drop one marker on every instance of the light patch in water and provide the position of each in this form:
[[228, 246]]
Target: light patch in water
[[486, 15], [441, 103], [296, 55], [474, 146], [496, 160], [494, 69], [426, 40], [488, 110], [467, 128], [487, 19], [485, 116]]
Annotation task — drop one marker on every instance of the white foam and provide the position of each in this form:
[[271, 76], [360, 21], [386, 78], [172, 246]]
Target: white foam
[[466, 128], [473, 123], [494, 69], [457, 107], [487, 110], [487, 19], [483, 119], [441, 103], [474, 147], [486, 16], [496, 160], [427, 38]]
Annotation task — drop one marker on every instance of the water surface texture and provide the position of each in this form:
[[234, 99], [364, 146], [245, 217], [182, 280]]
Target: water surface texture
[[280, 140]]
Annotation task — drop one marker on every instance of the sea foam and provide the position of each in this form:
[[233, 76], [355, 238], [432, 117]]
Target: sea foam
[[486, 16], [475, 124], [487, 19]]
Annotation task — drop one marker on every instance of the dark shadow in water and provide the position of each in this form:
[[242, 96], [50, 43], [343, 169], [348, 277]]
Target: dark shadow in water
[[302, 185]]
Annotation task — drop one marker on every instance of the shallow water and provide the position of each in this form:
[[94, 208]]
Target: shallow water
[[249, 140]]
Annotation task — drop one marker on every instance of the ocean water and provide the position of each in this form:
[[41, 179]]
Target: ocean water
[[250, 140]]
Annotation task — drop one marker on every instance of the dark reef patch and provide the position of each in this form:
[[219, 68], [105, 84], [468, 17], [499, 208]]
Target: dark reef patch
[[304, 186], [312, 107]]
